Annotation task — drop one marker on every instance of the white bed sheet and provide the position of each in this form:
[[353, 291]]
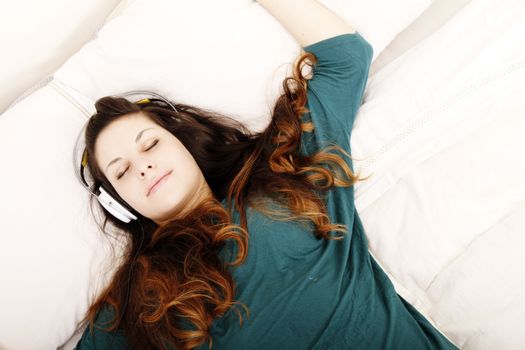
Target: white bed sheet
[[442, 207]]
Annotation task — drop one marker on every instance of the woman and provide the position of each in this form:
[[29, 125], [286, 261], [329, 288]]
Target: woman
[[249, 241]]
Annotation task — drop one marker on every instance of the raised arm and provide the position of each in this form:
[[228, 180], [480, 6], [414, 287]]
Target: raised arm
[[307, 20]]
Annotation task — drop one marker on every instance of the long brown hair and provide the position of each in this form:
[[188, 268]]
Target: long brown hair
[[179, 284]]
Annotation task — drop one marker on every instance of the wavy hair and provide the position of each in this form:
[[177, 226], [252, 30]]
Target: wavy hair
[[179, 284]]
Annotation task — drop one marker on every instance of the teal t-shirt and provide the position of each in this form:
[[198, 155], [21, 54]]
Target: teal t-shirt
[[305, 293]]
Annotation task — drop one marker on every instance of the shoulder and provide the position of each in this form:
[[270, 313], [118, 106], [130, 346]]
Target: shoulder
[[351, 47]]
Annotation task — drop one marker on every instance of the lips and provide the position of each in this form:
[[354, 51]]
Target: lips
[[155, 182]]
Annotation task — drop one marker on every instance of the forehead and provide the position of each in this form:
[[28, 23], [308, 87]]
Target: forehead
[[127, 124]]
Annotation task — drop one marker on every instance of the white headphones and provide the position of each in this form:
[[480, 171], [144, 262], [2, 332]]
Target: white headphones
[[80, 161]]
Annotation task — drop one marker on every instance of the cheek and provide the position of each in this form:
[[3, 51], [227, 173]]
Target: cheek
[[128, 191], [185, 163], [187, 176], [193, 168], [125, 195], [186, 171]]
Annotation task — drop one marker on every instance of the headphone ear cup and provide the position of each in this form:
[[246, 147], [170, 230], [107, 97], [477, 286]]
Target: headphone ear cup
[[114, 207]]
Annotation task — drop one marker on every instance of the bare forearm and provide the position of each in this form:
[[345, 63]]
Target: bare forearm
[[307, 20]]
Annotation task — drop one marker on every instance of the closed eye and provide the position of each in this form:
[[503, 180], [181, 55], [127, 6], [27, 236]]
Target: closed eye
[[147, 149]]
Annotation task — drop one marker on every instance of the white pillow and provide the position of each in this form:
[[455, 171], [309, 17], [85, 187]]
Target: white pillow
[[173, 47], [435, 16], [39, 36], [231, 57], [51, 257]]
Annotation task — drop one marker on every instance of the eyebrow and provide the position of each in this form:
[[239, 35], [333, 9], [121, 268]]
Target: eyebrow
[[137, 139]]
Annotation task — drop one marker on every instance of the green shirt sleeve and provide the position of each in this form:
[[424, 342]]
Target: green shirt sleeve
[[336, 90]]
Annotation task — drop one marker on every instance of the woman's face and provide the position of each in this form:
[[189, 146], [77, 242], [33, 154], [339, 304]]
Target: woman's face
[[134, 152]]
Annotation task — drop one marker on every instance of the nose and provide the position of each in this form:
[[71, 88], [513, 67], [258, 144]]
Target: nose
[[143, 171]]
